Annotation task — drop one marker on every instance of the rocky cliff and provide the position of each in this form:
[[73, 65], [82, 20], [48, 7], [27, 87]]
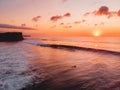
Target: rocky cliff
[[11, 36]]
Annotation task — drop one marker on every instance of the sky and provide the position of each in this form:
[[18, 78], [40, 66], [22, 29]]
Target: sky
[[61, 17]]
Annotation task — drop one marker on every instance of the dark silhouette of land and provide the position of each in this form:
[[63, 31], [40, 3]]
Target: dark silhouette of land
[[11, 36]]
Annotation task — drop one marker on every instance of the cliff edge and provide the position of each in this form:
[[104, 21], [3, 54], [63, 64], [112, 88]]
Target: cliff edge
[[11, 36]]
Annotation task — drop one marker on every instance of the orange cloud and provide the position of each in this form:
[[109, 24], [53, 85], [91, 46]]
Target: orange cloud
[[23, 25], [95, 24], [61, 23], [118, 13], [35, 19], [77, 22], [57, 17], [67, 15], [67, 26], [83, 20], [103, 10], [64, 0], [87, 13]]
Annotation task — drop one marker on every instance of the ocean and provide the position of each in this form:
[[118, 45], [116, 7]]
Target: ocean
[[60, 63]]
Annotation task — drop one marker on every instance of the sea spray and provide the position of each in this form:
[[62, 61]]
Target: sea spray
[[13, 64]]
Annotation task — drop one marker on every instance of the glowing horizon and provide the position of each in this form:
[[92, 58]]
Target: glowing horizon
[[61, 17]]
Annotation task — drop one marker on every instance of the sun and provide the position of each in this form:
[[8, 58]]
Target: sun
[[96, 33]]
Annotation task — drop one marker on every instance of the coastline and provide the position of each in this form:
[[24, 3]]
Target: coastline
[[72, 71], [11, 36]]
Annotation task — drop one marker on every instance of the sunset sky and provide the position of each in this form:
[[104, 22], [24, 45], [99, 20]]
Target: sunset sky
[[61, 17]]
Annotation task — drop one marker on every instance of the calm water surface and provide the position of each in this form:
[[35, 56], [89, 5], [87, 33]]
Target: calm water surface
[[71, 69], [30, 66]]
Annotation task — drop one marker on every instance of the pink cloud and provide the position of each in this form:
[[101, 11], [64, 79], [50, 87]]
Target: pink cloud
[[23, 25], [77, 22], [64, 0], [95, 24], [87, 13], [67, 26], [83, 20], [67, 15], [58, 17], [35, 19], [118, 13], [103, 10], [61, 23]]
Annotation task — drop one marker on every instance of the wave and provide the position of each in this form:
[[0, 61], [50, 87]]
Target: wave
[[79, 48], [13, 65], [82, 41], [71, 47]]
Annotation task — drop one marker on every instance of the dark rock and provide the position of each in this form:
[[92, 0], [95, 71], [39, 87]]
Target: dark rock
[[74, 66], [11, 36]]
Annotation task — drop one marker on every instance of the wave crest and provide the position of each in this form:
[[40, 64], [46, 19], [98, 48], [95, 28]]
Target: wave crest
[[79, 48]]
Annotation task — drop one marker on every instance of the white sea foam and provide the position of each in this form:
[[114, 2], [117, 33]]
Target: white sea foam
[[13, 62]]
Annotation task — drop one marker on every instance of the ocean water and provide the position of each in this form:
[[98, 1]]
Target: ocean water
[[61, 63]]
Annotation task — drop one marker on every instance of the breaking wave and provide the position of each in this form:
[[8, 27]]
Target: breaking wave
[[79, 48]]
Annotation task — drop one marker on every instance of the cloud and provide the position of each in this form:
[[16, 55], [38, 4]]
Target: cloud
[[67, 15], [67, 26], [55, 18], [118, 13], [77, 22], [61, 23], [58, 17], [103, 11], [95, 24], [83, 20], [35, 19], [15, 27], [64, 0], [87, 13], [23, 25]]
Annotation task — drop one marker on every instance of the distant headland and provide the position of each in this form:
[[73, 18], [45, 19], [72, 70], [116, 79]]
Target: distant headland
[[11, 36]]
